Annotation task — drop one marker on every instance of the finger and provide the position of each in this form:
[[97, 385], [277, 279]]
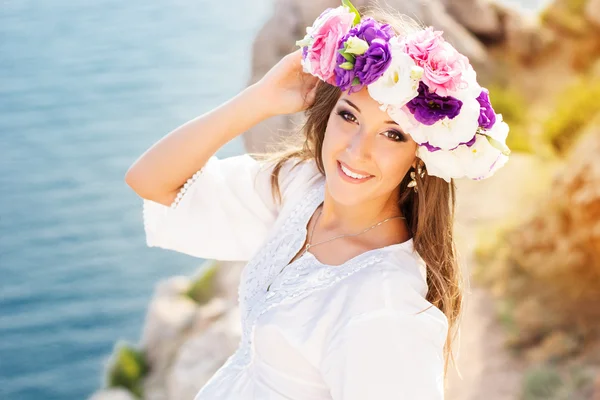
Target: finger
[[310, 96], [295, 56]]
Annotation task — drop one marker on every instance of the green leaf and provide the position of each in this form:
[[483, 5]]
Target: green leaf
[[353, 10], [498, 145], [348, 57], [306, 41], [355, 81], [347, 66]]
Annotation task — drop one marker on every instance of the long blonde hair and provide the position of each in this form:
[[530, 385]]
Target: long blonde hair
[[429, 212]]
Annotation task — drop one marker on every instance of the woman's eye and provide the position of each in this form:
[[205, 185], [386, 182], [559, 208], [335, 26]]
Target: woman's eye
[[347, 116], [395, 136]]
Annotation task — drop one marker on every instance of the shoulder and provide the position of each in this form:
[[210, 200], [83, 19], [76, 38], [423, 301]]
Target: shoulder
[[295, 176]]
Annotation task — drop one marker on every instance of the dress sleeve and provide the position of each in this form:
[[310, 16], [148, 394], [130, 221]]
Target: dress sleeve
[[387, 354], [224, 212]]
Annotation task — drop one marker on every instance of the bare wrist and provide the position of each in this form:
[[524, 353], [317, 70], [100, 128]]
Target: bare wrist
[[259, 101]]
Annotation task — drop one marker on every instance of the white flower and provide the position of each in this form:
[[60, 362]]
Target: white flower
[[469, 87], [441, 163], [479, 161], [306, 66], [498, 133], [446, 133], [356, 45], [400, 82]]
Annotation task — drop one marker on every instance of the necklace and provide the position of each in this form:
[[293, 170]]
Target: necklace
[[309, 245]]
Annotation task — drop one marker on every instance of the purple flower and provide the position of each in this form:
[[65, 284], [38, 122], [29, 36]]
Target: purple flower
[[487, 117], [429, 147], [432, 148], [369, 30], [371, 65], [470, 142], [344, 78], [429, 108]]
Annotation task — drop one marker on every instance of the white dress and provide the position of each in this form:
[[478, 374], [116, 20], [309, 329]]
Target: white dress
[[350, 332]]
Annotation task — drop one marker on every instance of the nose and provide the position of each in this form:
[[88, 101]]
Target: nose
[[359, 148]]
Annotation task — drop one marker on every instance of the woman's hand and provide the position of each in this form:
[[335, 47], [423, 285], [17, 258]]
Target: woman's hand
[[286, 88]]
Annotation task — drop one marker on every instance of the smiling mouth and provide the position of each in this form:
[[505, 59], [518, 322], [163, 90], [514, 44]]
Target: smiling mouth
[[351, 175]]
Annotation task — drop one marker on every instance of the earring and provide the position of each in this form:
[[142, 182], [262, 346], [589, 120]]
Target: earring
[[413, 182]]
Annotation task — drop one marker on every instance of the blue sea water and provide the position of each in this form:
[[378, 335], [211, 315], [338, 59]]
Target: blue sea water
[[85, 88]]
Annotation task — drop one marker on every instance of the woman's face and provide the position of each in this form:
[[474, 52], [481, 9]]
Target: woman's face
[[365, 154]]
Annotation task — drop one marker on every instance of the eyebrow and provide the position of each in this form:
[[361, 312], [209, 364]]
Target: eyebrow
[[358, 109], [352, 104]]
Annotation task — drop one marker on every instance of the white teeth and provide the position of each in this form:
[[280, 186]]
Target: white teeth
[[352, 174]]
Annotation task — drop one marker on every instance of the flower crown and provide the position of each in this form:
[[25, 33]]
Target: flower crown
[[420, 80]]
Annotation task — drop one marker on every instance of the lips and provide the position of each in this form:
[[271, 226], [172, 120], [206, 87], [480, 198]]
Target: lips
[[349, 178]]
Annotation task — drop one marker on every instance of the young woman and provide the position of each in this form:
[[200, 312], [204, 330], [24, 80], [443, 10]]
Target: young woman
[[352, 289]]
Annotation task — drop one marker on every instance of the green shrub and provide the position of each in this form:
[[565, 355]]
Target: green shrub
[[575, 107], [542, 383], [566, 16], [576, 7], [203, 287], [127, 369], [547, 382], [513, 107]]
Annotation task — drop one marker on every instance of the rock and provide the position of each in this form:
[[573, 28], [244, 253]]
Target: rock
[[168, 318], [209, 313], [523, 36], [555, 257], [154, 388], [478, 16], [227, 280], [213, 310], [556, 346], [172, 286], [113, 394], [592, 11], [596, 389], [201, 356]]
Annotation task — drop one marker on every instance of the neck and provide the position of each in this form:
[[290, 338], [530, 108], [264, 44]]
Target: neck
[[353, 218]]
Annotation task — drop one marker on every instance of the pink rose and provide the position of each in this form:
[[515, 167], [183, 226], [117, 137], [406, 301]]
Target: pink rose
[[444, 70], [421, 44], [322, 54]]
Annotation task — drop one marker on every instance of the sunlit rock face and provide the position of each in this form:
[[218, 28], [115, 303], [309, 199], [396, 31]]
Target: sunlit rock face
[[113, 394], [553, 270], [592, 11]]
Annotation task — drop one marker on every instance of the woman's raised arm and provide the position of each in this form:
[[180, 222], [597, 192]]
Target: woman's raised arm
[[164, 168]]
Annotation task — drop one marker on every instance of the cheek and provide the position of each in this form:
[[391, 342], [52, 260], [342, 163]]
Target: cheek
[[336, 136], [394, 163]]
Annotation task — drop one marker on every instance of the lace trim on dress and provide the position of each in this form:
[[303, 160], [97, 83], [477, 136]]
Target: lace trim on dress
[[185, 188]]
